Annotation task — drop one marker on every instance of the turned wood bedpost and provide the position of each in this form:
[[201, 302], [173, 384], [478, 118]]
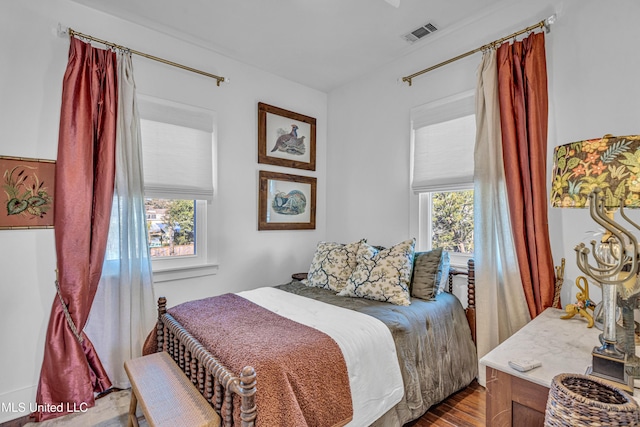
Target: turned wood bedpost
[[471, 298], [470, 311], [247, 405], [162, 309]]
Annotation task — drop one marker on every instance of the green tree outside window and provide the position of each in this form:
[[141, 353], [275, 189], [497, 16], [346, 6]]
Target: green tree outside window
[[452, 221]]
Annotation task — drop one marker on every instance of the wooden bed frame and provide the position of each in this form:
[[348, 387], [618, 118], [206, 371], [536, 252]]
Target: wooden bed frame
[[218, 385]]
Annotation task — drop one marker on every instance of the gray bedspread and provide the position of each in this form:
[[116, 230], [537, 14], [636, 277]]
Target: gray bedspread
[[433, 341]]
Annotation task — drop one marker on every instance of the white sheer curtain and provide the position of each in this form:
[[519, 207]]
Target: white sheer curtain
[[500, 302], [123, 311]]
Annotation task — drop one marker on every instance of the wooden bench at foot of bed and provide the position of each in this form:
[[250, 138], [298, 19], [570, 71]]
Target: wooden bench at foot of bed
[[166, 396]]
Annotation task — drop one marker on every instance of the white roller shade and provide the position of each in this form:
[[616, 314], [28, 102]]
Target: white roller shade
[[177, 114], [177, 145], [443, 145]]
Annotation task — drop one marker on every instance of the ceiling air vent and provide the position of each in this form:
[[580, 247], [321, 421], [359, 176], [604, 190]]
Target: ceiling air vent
[[420, 32]]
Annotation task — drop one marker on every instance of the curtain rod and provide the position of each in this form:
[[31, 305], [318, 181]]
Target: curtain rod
[[72, 33], [544, 23]]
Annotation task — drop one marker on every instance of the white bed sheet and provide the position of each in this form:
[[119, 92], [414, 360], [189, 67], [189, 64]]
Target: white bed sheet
[[366, 344]]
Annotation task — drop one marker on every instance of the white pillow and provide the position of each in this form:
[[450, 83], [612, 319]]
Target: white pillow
[[382, 275], [332, 265]]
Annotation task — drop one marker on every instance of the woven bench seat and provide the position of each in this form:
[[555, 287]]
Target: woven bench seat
[[166, 396]]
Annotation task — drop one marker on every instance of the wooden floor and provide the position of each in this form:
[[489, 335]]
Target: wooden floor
[[464, 409]]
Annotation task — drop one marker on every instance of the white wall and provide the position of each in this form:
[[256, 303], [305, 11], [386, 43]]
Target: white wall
[[595, 92], [34, 60], [363, 181], [368, 186], [592, 59]]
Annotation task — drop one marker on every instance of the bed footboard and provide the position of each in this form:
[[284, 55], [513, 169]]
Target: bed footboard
[[216, 383]]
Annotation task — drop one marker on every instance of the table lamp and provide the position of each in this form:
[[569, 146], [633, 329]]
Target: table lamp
[[603, 174]]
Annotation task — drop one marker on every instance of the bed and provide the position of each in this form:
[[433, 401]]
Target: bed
[[432, 340]]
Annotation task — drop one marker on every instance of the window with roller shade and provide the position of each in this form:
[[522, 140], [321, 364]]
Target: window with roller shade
[[177, 143], [443, 141]]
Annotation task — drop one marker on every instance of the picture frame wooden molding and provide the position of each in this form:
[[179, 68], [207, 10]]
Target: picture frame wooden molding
[[286, 138], [28, 186], [286, 202]]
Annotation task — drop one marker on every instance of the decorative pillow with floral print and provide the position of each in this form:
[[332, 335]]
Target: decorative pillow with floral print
[[332, 265], [382, 275]]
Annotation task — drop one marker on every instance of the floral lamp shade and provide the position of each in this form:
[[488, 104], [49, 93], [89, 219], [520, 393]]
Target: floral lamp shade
[[610, 163]]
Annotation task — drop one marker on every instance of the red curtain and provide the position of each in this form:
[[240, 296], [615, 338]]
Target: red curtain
[[522, 80], [71, 371]]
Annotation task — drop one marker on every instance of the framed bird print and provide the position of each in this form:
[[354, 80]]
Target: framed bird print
[[286, 202], [286, 138]]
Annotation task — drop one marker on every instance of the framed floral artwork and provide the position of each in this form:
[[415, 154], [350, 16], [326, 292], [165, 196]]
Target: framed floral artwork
[[286, 138], [286, 202], [28, 191]]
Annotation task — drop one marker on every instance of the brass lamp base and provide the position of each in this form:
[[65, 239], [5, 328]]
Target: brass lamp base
[[610, 366]]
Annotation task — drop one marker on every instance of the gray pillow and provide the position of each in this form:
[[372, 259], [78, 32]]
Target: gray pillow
[[428, 269]]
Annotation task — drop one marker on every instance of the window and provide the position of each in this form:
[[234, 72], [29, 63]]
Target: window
[[177, 150], [443, 143], [449, 220], [171, 227]]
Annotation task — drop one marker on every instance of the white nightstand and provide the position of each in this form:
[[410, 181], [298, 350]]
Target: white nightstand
[[563, 346]]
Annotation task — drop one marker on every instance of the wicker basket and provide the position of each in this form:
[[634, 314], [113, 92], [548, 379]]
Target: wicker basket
[[579, 400]]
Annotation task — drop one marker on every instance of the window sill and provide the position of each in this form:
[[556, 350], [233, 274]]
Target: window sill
[[178, 273]]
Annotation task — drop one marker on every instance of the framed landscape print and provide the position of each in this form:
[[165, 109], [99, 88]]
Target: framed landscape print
[[27, 196], [286, 202], [286, 138]]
